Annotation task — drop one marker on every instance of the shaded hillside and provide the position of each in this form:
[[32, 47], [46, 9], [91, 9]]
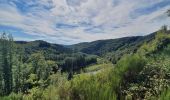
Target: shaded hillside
[[50, 50], [104, 46], [39, 45]]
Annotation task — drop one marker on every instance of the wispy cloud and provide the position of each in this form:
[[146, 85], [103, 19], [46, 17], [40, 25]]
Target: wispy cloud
[[73, 21]]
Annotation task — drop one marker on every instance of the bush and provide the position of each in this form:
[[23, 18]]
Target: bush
[[126, 70], [129, 66]]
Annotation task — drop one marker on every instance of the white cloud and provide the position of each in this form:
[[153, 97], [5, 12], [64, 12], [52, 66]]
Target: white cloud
[[105, 18], [9, 15]]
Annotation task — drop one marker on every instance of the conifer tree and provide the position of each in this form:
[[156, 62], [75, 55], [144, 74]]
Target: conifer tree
[[6, 50], [1, 69]]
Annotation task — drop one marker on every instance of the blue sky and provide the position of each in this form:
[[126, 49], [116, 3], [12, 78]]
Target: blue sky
[[74, 21]]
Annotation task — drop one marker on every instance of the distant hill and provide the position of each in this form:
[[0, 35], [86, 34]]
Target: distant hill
[[104, 46], [111, 48], [40, 45], [51, 51]]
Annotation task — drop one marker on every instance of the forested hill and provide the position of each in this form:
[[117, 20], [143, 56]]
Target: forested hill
[[111, 45], [43, 45], [98, 47], [111, 49]]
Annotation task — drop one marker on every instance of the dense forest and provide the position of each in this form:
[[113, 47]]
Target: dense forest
[[129, 68]]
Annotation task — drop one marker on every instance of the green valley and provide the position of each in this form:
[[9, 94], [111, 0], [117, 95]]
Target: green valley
[[40, 70]]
